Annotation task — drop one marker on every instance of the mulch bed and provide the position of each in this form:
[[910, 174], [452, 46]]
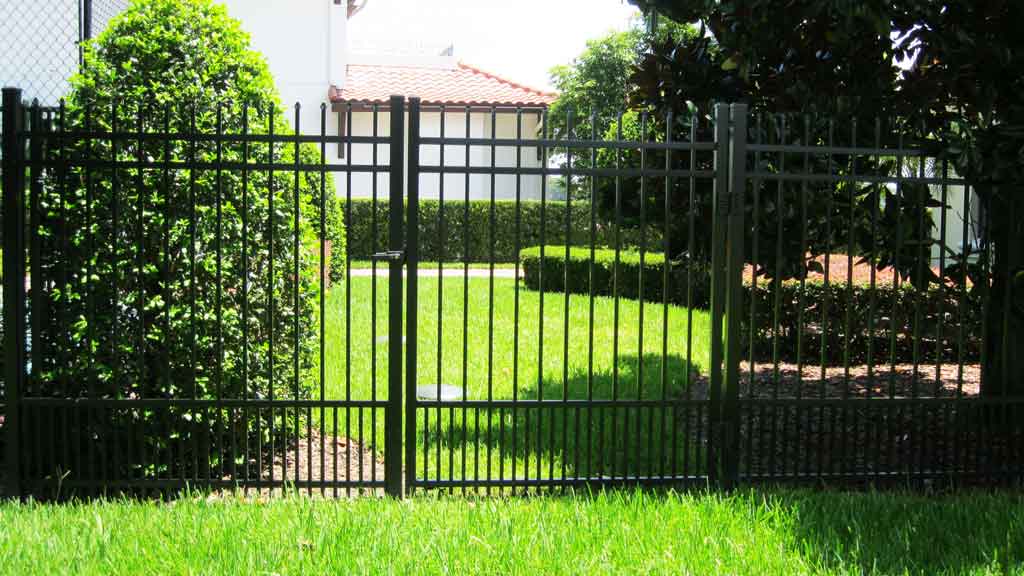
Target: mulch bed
[[857, 382], [839, 271], [884, 437], [324, 458]]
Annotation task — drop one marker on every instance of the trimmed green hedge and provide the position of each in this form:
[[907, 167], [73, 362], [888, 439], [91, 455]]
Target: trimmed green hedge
[[937, 313], [450, 244], [554, 280]]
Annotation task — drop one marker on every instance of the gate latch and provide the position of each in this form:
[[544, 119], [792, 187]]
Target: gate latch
[[390, 256]]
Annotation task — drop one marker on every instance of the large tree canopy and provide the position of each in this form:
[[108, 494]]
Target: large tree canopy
[[962, 94]]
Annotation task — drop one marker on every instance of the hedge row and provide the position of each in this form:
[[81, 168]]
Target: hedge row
[[834, 317], [653, 266], [450, 241]]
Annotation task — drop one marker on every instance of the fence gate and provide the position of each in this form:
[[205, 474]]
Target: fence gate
[[561, 378]]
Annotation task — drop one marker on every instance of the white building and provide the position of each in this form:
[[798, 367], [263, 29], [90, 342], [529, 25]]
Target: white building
[[306, 46]]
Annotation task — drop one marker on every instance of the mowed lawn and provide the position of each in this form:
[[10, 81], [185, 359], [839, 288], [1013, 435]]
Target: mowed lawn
[[613, 533], [472, 342]]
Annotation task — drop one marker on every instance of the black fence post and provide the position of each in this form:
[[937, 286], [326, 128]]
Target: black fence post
[[734, 296], [718, 287], [14, 281], [412, 267], [86, 20], [393, 429]]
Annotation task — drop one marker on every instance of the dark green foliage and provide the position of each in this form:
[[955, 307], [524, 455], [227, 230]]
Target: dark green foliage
[[449, 244], [938, 313], [630, 269], [961, 98], [839, 318], [814, 218], [153, 294], [968, 87]]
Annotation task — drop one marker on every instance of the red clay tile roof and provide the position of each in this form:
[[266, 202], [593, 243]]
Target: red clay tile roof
[[463, 84]]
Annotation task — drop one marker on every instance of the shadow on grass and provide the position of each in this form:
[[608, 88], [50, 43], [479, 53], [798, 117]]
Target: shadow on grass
[[890, 533], [611, 439]]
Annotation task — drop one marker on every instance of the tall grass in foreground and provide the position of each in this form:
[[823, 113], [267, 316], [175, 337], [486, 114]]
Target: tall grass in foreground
[[618, 532]]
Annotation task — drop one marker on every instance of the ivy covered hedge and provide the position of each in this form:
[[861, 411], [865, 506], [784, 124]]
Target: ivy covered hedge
[[836, 319], [447, 240]]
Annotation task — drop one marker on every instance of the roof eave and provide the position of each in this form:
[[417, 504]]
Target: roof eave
[[338, 97]]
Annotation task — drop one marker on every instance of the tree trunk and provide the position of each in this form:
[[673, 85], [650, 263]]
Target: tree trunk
[[1003, 368]]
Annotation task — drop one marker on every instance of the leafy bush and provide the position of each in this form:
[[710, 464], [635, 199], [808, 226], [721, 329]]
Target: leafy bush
[[450, 243], [630, 271], [936, 313], [839, 319], [179, 282]]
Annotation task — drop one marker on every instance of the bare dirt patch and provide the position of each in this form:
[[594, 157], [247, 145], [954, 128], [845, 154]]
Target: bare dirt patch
[[327, 462]]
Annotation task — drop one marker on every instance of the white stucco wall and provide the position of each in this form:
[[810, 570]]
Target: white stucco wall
[[455, 185], [304, 44], [958, 207]]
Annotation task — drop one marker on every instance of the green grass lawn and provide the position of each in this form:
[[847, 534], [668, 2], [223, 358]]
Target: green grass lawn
[[613, 533], [482, 357]]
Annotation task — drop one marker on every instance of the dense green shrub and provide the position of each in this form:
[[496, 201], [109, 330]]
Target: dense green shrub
[[629, 274], [153, 294], [861, 323], [852, 330], [450, 244]]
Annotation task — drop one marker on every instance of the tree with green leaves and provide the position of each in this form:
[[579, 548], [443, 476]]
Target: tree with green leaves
[[593, 91], [596, 84], [961, 97], [190, 281]]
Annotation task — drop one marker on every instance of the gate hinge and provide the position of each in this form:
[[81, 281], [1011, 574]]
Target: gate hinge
[[390, 256]]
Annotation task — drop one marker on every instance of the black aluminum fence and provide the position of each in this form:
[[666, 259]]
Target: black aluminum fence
[[878, 364], [807, 303], [40, 42], [168, 321]]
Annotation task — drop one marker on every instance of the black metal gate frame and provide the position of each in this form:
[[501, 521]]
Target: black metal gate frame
[[722, 434]]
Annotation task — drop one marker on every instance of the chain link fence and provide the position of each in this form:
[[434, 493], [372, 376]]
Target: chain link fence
[[102, 12], [40, 42], [40, 49]]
